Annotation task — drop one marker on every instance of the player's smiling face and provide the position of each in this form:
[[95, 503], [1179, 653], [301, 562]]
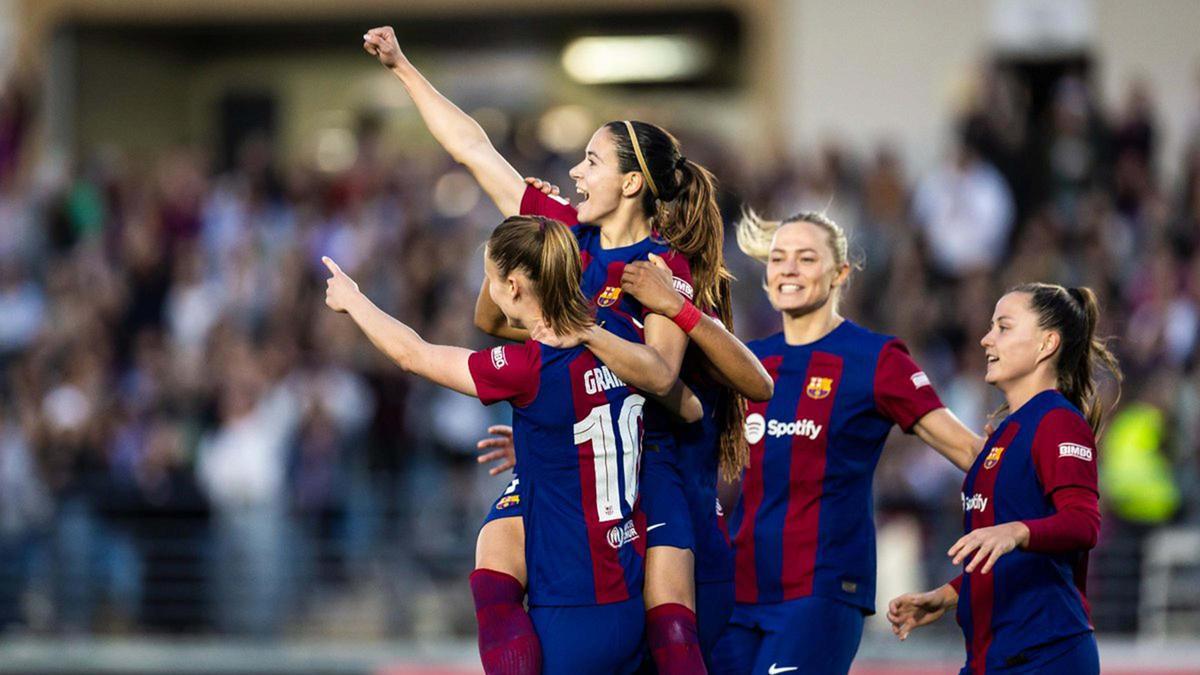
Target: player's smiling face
[[801, 270], [1015, 344], [598, 178]]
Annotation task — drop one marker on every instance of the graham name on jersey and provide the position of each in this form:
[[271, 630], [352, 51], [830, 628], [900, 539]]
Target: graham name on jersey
[[600, 379]]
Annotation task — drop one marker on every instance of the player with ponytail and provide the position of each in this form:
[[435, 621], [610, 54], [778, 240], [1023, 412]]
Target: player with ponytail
[[584, 532], [640, 197], [1030, 501]]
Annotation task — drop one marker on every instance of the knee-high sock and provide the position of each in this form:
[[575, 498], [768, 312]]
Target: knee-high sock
[[508, 644], [672, 635]]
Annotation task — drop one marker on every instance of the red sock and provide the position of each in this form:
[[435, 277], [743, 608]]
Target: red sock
[[671, 632], [507, 643]]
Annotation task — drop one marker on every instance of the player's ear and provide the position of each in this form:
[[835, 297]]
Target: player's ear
[[513, 284], [631, 184], [1051, 340]]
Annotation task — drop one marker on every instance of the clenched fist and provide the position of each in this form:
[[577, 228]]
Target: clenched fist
[[381, 43]]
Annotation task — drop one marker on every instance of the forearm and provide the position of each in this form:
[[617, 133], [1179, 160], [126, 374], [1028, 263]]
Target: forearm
[[1075, 527], [635, 363], [944, 432], [443, 365], [732, 360], [682, 402], [454, 129], [464, 139], [948, 592]]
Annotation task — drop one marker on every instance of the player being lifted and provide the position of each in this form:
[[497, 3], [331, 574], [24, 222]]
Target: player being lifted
[[803, 529], [577, 434], [641, 196], [1030, 500]]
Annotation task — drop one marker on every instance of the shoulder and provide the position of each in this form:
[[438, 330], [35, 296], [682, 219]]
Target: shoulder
[[772, 345], [857, 342], [1057, 417], [513, 358]]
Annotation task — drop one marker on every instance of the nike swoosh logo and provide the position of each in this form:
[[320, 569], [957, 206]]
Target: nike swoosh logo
[[775, 670], [654, 526]]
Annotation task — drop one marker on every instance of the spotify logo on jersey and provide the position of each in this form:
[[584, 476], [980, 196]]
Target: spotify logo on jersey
[[756, 426]]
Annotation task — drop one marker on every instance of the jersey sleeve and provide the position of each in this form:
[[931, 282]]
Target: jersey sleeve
[[507, 373], [1064, 451], [1075, 525], [681, 273], [536, 203], [903, 392]]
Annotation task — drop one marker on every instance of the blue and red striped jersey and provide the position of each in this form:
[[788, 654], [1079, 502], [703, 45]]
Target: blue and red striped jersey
[[616, 311], [1028, 599], [577, 432], [698, 459], [804, 524]]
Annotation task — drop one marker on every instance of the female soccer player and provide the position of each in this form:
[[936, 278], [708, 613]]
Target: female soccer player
[[1030, 500], [584, 531], [804, 536], [630, 173]]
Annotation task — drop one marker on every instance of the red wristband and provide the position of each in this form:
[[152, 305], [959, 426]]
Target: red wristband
[[688, 317]]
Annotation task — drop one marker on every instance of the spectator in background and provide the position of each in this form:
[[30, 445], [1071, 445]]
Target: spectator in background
[[964, 209]]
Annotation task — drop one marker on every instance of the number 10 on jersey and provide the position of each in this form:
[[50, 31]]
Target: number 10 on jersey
[[609, 462]]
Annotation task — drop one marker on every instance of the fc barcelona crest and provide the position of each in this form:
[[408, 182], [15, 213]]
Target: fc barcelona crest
[[819, 387], [993, 457], [609, 296]]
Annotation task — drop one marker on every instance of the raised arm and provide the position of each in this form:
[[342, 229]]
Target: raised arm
[[944, 432], [443, 365], [455, 130], [733, 364]]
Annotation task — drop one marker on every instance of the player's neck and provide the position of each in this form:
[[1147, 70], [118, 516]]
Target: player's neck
[[807, 328], [625, 227], [1018, 393]]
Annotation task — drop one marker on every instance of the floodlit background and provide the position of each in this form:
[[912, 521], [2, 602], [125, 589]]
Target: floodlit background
[[204, 470]]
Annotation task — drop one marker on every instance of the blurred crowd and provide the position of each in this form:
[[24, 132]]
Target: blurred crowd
[[191, 443]]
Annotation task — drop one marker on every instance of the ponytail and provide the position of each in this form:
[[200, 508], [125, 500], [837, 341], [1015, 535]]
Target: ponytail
[[547, 252], [681, 199], [1074, 314]]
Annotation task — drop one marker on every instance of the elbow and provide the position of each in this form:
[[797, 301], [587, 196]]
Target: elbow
[[693, 411], [762, 391], [466, 152], [660, 388], [488, 323]]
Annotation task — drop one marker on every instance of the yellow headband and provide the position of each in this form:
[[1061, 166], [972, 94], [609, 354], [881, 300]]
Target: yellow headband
[[637, 150]]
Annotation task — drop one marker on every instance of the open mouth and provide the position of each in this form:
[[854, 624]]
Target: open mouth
[[790, 288], [583, 194], [991, 358]]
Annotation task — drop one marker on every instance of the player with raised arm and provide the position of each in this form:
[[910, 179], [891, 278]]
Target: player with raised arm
[[577, 429], [803, 529], [1030, 500], [641, 196]]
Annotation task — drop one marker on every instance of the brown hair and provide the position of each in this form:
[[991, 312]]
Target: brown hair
[[683, 205], [546, 251], [1073, 313]]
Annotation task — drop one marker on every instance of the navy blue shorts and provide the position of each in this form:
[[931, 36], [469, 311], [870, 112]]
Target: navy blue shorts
[[600, 639], [809, 635], [1077, 655], [668, 520], [508, 504], [714, 607]]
